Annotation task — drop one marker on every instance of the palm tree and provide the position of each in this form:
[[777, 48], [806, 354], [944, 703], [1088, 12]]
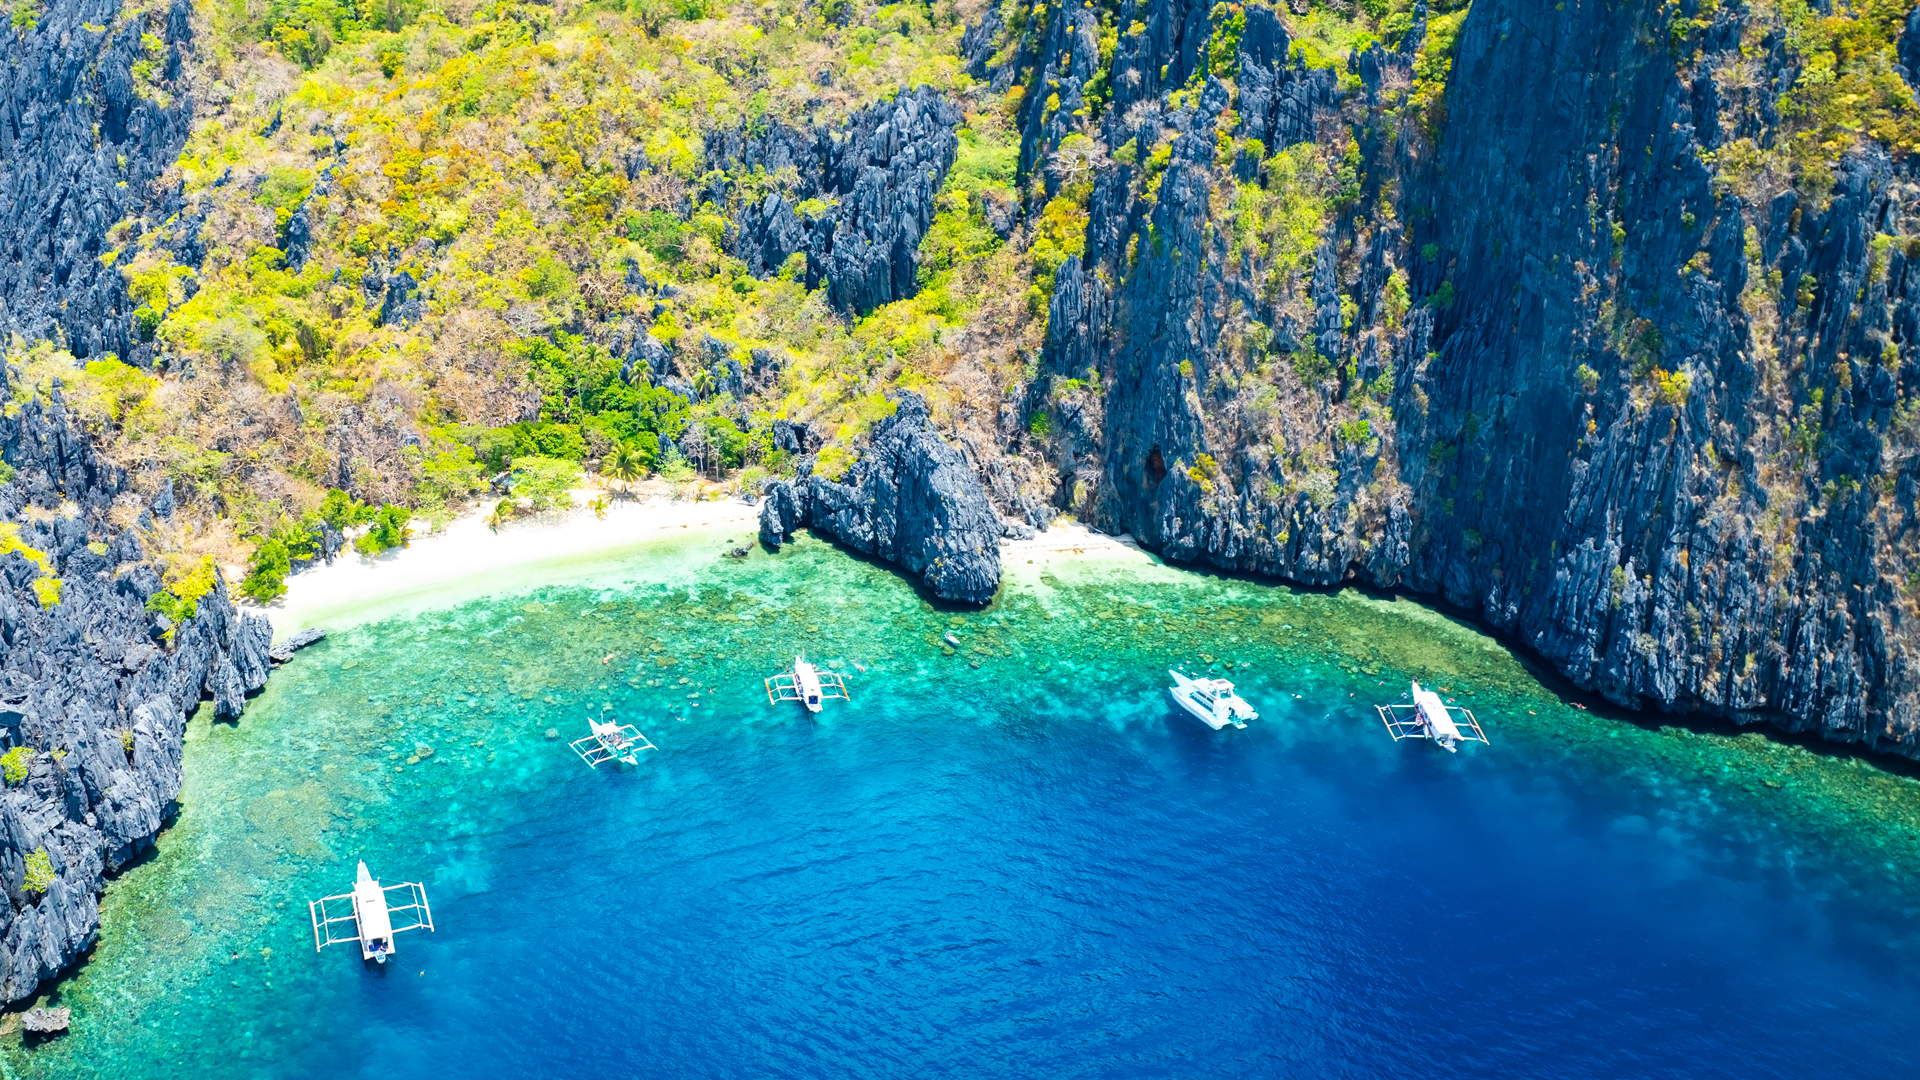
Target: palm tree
[[502, 511], [623, 466], [599, 506]]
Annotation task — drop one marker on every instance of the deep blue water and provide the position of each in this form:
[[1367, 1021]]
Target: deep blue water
[[1027, 868], [891, 894]]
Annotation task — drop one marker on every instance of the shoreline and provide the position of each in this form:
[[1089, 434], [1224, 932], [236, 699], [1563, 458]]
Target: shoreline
[[465, 559]]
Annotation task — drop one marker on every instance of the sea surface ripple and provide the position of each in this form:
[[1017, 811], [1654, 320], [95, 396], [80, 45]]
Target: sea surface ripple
[[1009, 859]]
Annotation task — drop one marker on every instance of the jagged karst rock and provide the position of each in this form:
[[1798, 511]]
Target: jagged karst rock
[[400, 307], [795, 437], [297, 237], [911, 500], [864, 199], [93, 686], [80, 150], [1571, 426]]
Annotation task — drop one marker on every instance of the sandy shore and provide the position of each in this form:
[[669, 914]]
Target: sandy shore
[[1070, 552], [1068, 538], [466, 559]]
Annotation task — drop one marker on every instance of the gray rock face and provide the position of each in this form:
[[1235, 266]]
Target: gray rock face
[[911, 500], [46, 1021], [870, 185], [95, 689], [399, 308], [284, 651], [1657, 426], [83, 141]]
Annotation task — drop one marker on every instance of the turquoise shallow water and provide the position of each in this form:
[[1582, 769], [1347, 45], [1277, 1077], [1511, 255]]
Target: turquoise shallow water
[[1008, 859]]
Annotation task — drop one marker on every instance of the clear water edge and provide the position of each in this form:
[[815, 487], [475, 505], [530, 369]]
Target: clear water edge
[[275, 810]]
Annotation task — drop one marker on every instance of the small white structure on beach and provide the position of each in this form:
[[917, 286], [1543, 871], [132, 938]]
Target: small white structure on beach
[[1425, 716], [370, 914], [1211, 701], [607, 741], [807, 685]]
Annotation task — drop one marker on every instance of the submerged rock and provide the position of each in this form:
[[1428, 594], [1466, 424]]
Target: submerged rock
[[911, 499]]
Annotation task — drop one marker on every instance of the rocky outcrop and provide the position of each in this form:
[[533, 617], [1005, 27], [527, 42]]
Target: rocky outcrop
[[911, 500], [1554, 354], [93, 108], [283, 652], [46, 1022], [94, 691], [862, 200]]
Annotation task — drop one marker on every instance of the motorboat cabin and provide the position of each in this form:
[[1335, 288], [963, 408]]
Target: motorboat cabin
[[1211, 701]]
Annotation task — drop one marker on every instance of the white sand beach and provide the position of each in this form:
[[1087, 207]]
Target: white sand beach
[[467, 559], [1067, 538]]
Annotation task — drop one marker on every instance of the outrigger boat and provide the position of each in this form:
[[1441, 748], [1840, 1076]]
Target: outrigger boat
[[607, 741], [1425, 716], [807, 685], [1211, 701], [370, 914]]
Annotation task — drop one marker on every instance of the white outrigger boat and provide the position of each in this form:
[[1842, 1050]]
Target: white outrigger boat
[[1425, 716], [1211, 701], [607, 741], [807, 685], [371, 916]]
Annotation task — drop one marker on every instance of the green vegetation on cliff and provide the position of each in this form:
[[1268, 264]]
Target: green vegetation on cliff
[[435, 240]]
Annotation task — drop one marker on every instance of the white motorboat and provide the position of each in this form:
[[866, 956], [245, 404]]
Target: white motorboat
[[1211, 701]]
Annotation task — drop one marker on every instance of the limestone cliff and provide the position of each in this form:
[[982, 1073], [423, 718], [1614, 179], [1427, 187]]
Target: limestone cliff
[[1603, 327], [860, 197], [95, 690], [93, 109], [911, 500]]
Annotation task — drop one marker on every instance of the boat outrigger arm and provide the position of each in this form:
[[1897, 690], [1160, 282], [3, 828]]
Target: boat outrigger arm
[[1425, 716], [807, 685], [608, 741], [373, 917]]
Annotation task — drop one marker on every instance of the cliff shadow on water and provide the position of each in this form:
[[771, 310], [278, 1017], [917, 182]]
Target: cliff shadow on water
[[1595, 324], [1048, 721], [1592, 320]]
